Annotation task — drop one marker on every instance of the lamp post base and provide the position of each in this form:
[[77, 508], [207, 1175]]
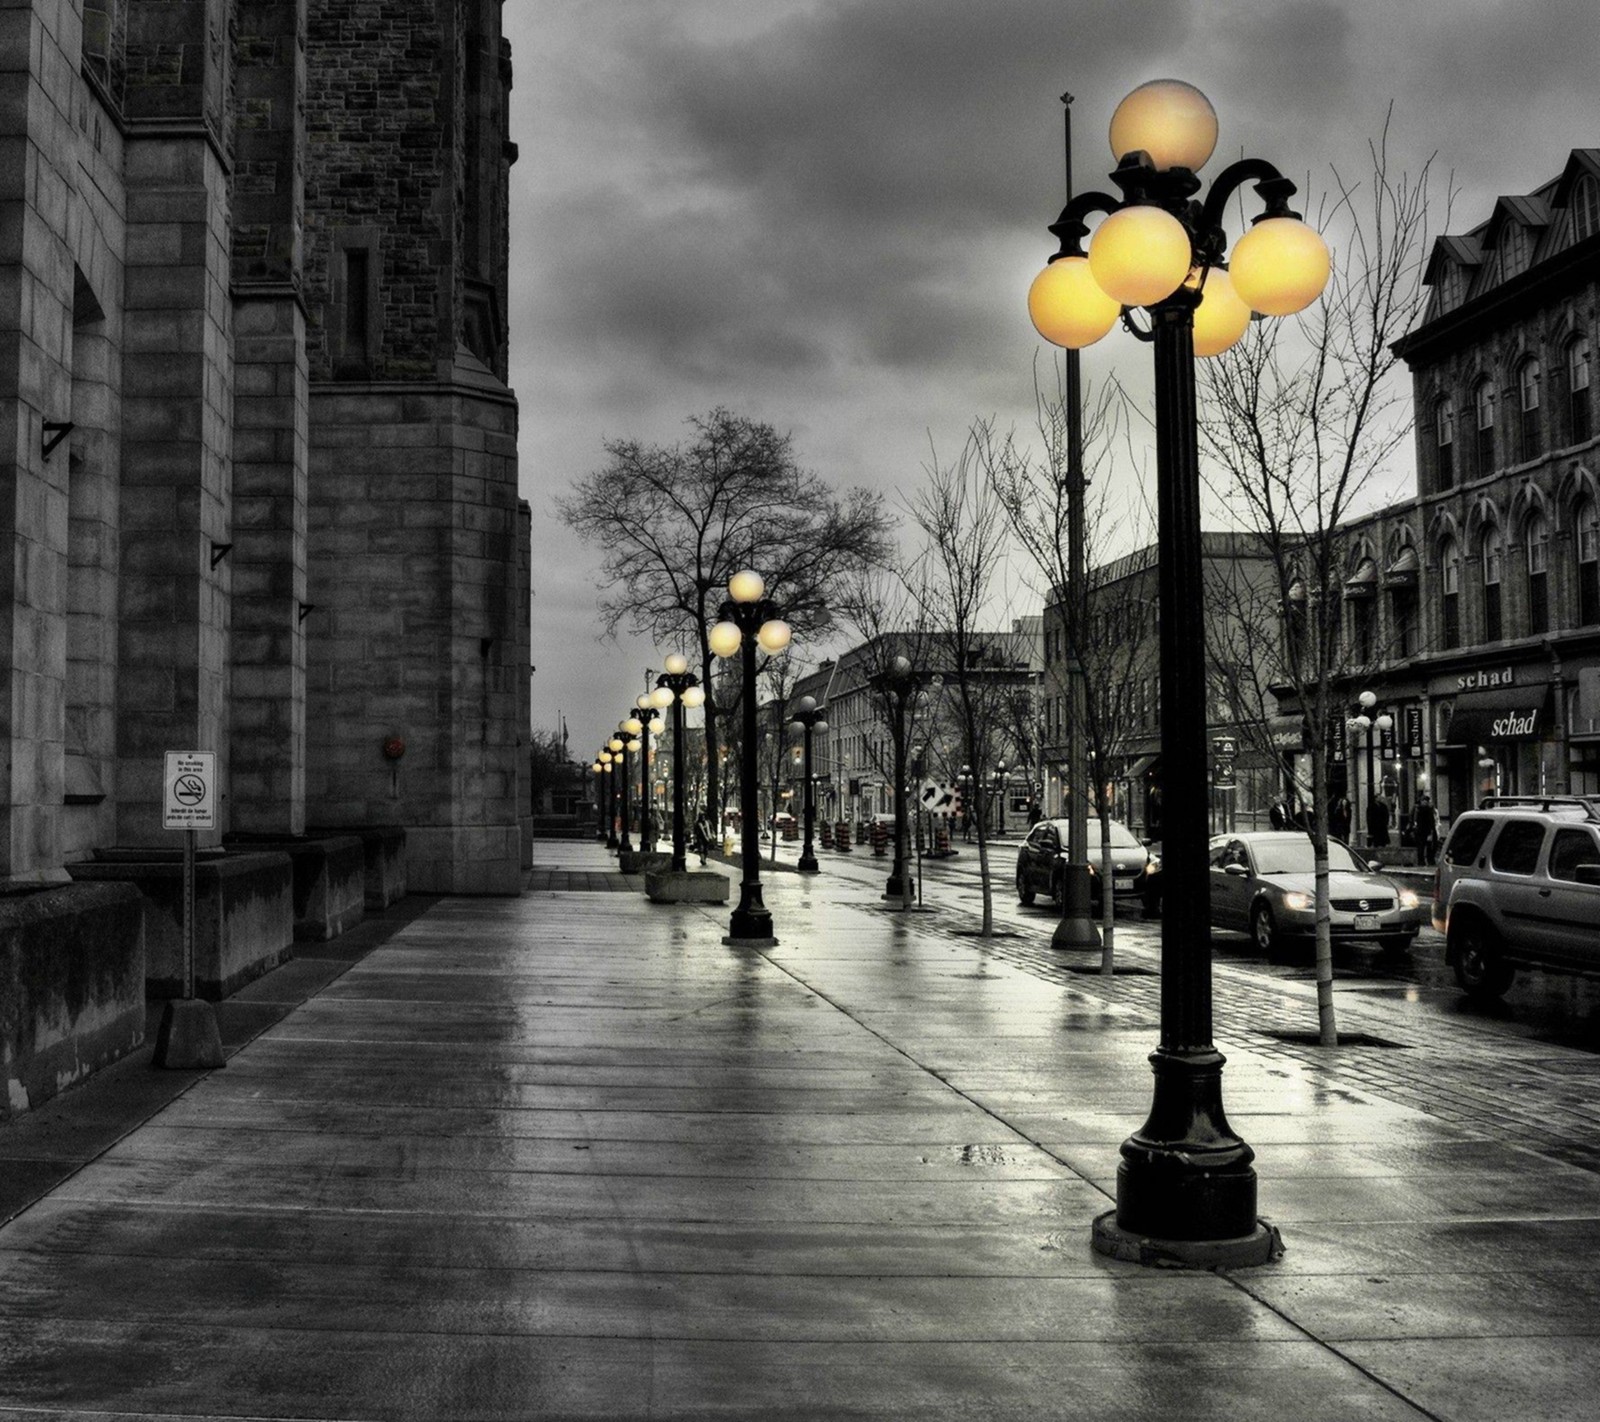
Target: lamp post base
[[1185, 1177], [751, 923], [808, 864], [894, 889], [1077, 927], [1263, 1245]]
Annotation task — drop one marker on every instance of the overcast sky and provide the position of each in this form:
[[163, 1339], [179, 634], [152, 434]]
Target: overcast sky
[[826, 213]]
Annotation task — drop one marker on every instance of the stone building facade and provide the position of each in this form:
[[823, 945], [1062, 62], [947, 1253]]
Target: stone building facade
[[258, 474]]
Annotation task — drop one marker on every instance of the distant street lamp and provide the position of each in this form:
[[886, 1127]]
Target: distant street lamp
[[1366, 721], [599, 769], [1000, 799], [1185, 1183], [809, 717], [678, 687], [749, 617], [613, 815], [899, 683], [629, 727]]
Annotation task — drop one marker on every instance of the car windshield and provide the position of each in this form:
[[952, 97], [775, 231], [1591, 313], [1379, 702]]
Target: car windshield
[[1121, 837], [1293, 856]]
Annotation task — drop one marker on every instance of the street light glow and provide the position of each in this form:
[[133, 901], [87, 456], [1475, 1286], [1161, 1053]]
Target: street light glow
[[774, 635], [1168, 119], [1067, 306], [746, 586], [1140, 255], [1280, 266], [1221, 318], [724, 639]]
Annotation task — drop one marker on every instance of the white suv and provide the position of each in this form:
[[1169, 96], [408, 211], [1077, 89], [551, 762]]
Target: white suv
[[1519, 883]]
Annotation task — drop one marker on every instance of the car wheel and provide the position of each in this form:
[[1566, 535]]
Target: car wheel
[[1263, 929], [1480, 970], [1024, 893]]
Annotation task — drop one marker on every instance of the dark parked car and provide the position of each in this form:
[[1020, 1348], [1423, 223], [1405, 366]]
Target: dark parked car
[[1041, 861]]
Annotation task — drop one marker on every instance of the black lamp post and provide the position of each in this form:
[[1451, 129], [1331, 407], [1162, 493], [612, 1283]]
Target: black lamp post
[[599, 804], [899, 684], [1186, 1189], [602, 792], [682, 688], [809, 717], [1000, 799], [746, 618], [627, 729], [1364, 720], [615, 804]]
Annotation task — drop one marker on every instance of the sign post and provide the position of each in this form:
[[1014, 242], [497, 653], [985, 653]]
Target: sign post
[[188, 1036]]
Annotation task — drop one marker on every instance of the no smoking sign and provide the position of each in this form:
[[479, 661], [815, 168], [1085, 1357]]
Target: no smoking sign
[[190, 801]]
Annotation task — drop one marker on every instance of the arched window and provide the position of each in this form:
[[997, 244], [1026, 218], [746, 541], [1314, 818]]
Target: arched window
[[1579, 423], [1528, 381], [1493, 571], [1450, 587], [1483, 409], [1537, 539], [1586, 540], [1444, 428], [1516, 247]]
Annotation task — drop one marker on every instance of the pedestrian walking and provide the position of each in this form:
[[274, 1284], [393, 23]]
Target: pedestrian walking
[[1378, 822], [1339, 817], [1279, 814], [1425, 829]]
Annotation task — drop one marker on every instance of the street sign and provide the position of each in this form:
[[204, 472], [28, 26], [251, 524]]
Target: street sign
[[190, 801], [938, 798], [1225, 747]]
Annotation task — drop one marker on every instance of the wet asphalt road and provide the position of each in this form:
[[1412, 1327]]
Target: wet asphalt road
[[1561, 1009]]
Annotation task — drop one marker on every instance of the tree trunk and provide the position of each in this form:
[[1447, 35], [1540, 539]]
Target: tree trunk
[[1108, 899], [1327, 1027]]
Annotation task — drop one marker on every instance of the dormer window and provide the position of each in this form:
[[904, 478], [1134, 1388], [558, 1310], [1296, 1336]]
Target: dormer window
[[1585, 208], [1516, 249]]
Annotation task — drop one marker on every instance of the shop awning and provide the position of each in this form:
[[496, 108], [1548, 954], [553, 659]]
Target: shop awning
[[1404, 569], [1503, 713], [1138, 768]]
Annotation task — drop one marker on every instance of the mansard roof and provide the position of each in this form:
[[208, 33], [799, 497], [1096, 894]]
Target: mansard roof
[[1583, 162]]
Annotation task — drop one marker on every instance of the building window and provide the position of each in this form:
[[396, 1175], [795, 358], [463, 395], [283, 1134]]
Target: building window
[[1528, 393], [1483, 408], [1579, 424], [1587, 527], [1538, 546], [1493, 568], [1585, 209], [1403, 610], [1515, 250], [1444, 426], [1450, 585]]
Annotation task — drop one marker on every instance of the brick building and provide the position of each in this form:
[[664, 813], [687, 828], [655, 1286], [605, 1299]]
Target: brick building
[[259, 455]]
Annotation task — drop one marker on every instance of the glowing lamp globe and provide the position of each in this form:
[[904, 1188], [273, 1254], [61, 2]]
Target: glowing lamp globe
[[657, 725], [1171, 121], [724, 639], [631, 726], [661, 697], [615, 743], [596, 767], [1280, 266], [806, 703], [694, 696], [1067, 307], [1140, 255], [774, 635], [677, 664], [1368, 699], [746, 586], [642, 701], [1221, 318], [605, 757]]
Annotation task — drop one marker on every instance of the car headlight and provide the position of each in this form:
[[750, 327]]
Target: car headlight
[[1409, 899], [1297, 903], [1152, 866]]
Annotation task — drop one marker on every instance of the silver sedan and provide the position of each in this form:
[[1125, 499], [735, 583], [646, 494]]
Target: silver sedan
[[1264, 884]]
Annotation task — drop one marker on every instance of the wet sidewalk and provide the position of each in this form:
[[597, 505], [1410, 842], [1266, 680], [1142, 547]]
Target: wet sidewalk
[[571, 1156]]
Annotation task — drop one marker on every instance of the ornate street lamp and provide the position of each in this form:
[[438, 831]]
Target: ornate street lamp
[[613, 817], [1185, 1181], [899, 683], [629, 728], [809, 717], [678, 687], [599, 769], [1365, 721], [749, 617]]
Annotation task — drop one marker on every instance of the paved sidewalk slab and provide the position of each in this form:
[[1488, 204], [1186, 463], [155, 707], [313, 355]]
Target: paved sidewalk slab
[[569, 1156]]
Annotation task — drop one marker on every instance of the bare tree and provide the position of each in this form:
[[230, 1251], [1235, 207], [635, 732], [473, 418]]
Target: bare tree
[[966, 531], [1298, 422], [675, 523], [894, 660], [1112, 642]]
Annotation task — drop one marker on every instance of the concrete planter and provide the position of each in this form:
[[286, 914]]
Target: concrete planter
[[72, 967], [244, 915], [662, 886]]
